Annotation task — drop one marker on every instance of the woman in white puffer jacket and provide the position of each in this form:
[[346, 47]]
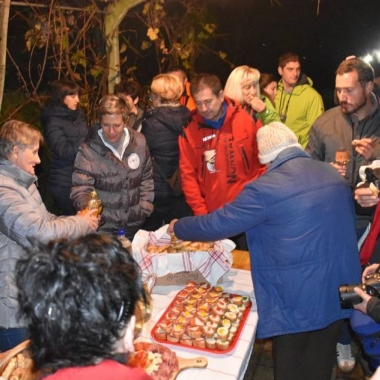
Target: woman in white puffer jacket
[[24, 218]]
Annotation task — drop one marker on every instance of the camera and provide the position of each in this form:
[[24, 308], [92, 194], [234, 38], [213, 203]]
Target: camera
[[348, 297]]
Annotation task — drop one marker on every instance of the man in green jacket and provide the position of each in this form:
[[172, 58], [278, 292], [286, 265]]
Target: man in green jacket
[[297, 102]]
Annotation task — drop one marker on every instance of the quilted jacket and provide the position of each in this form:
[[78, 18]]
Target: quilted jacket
[[23, 215]]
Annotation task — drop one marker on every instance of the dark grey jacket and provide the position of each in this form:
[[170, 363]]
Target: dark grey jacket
[[161, 129], [334, 130], [24, 215], [124, 186], [64, 131]]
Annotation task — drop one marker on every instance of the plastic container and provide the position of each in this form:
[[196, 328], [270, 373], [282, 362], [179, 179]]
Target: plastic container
[[125, 242]]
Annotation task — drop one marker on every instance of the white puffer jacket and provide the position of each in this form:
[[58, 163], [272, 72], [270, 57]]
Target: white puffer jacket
[[23, 215]]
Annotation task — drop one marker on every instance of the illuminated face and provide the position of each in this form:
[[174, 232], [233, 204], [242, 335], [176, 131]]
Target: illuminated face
[[112, 127], [208, 104], [290, 73], [351, 94], [249, 91], [71, 101], [26, 159], [271, 90]]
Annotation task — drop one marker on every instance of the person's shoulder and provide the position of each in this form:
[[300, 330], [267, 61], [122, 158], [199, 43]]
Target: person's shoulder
[[138, 137], [193, 120], [329, 117]]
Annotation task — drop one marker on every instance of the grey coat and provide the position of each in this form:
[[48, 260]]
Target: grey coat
[[124, 186], [23, 215]]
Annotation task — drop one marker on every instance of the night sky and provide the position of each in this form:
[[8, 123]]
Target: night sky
[[255, 33], [260, 33]]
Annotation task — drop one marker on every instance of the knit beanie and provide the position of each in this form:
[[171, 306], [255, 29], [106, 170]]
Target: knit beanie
[[272, 139]]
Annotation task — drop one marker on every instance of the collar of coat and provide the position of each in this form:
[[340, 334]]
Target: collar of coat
[[232, 108], [286, 155], [12, 171], [95, 142]]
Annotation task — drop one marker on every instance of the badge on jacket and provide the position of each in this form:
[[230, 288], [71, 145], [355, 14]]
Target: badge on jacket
[[133, 161]]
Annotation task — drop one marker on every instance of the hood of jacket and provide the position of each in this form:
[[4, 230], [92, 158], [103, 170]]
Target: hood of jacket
[[303, 83], [286, 155], [169, 116], [12, 171], [95, 142], [232, 108], [61, 112]]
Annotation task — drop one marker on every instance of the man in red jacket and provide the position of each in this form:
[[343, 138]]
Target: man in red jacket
[[218, 149]]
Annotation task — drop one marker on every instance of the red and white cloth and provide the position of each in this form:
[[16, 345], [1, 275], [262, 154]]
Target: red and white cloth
[[212, 265]]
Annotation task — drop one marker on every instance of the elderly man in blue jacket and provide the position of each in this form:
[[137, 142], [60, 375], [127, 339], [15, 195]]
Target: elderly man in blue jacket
[[300, 228]]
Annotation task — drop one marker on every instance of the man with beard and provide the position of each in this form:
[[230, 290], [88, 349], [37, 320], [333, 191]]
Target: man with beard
[[353, 130], [353, 126]]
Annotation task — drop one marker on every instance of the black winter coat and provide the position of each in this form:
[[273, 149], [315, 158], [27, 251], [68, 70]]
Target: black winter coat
[[64, 131], [161, 129]]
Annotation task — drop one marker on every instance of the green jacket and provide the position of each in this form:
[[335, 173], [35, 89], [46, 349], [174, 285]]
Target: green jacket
[[299, 108], [269, 114]]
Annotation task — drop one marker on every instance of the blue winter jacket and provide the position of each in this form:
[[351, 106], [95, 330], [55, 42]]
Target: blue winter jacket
[[299, 223]]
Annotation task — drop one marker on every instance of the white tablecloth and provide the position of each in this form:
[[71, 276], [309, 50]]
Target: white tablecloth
[[230, 366]]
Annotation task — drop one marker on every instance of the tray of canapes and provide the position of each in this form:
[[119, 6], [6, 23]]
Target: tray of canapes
[[204, 318]]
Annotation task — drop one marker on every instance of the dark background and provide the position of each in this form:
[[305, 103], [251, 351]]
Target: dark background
[[256, 33], [259, 33]]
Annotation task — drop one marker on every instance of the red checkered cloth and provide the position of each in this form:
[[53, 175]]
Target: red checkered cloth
[[212, 265]]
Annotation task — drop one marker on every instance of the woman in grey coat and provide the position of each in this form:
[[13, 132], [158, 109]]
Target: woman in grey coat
[[23, 218]]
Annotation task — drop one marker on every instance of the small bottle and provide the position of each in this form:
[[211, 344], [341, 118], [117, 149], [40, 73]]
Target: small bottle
[[94, 202], [125, 242]]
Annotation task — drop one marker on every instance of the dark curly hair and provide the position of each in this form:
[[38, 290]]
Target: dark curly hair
[[77, 297]]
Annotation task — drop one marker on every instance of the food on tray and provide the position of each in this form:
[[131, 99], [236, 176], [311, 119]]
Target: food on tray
[[176, 245], [19, 367], [203, 317], [158, 361]]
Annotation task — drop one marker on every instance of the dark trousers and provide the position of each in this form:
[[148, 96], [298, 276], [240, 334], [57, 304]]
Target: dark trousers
[[310, 355]]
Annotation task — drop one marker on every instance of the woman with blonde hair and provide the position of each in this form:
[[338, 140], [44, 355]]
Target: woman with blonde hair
[[162, 128], [242, 86], [23, 216]]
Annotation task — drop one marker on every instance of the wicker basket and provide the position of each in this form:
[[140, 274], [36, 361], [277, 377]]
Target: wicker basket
[[5, 357]]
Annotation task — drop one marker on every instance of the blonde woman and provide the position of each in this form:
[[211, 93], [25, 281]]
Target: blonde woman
[[242, 86], [162, 128]]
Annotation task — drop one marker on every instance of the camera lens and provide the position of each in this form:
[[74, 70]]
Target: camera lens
[[348, 297]]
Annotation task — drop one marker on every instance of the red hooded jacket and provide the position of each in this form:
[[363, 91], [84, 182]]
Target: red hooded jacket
[[207, 186]]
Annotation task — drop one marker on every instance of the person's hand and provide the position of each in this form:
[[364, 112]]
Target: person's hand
[[362, 306], [341, 169], [365, 197], [257, 104], [365, 146], [369, 270], [171, 226], [91, 217]]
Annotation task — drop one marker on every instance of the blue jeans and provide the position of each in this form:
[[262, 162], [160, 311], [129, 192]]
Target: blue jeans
[[10, 338]]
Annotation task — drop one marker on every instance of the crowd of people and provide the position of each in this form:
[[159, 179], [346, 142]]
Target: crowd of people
[[254, 161]]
